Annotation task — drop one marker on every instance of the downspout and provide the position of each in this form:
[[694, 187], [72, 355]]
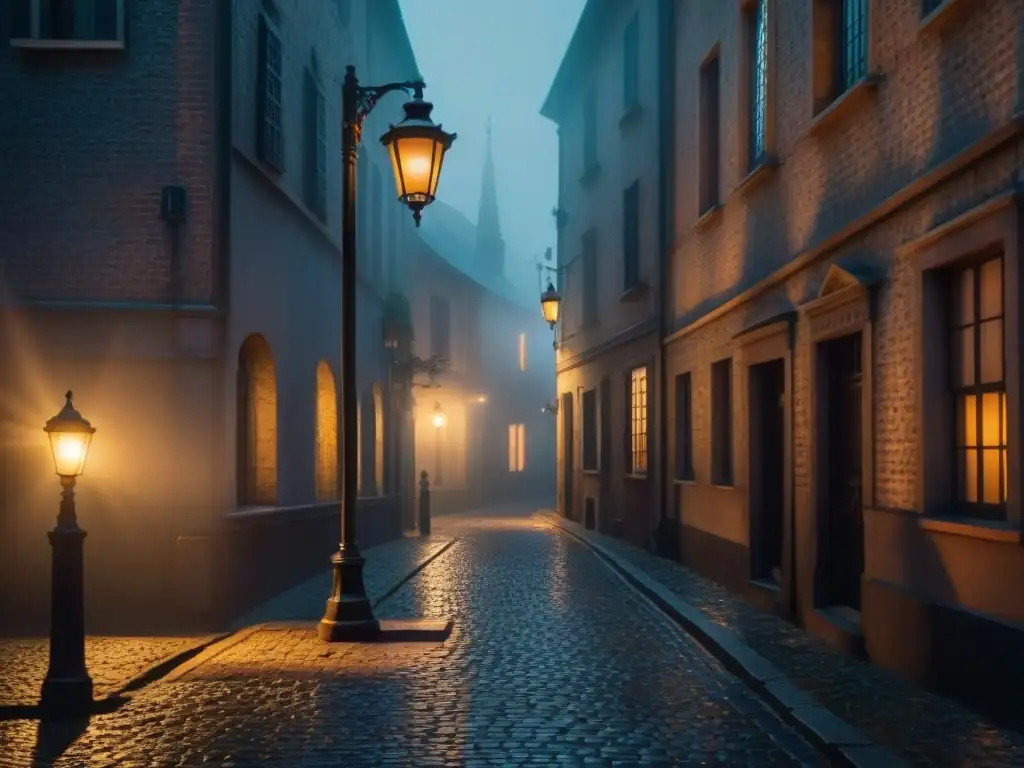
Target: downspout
[[667, 539]]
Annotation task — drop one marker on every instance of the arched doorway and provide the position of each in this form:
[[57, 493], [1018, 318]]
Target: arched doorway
[[256, 424], [326, 434]]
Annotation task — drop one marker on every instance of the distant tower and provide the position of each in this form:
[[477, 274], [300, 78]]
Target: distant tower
[[490, 245]]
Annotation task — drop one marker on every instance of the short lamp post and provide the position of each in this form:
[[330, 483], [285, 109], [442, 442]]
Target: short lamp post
[[67, 688], [440, 421], [417, 147]]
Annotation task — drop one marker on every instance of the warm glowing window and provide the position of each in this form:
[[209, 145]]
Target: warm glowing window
[[522, 351], [638, 421], [979, 387], [516, 447]]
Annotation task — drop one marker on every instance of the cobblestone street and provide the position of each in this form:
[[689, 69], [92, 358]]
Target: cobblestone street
[[553, 661]]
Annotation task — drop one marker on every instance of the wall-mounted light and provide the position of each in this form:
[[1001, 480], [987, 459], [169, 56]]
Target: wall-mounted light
[[551, 408]]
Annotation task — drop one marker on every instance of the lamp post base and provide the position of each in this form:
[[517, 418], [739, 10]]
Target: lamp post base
[[348, 616], [67, 696]]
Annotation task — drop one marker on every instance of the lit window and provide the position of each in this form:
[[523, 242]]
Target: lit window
[[522, 351], [516, 447], [638, 421], [979, 388]]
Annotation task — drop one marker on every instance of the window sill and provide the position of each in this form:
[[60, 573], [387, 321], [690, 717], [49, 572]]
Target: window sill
[[706, 218], [845, 103], [724, 486], [684, 481], [635, 292], [940, 18], [631, 115], [34, 44], [765, 165], [986, 530], [591, 174], [635, 476], [591, 472]]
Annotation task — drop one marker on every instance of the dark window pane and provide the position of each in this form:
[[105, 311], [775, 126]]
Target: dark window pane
[[21, 18], [105, 20], [963, 357], [991, 352], [963, 298]]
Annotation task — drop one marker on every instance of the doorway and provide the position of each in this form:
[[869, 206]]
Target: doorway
[[843, 518], [568, 456], [768, 487]]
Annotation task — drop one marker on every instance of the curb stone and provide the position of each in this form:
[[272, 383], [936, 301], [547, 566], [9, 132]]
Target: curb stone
[[829, 733]]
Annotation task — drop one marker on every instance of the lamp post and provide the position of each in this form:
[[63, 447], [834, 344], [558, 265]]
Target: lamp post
[[67, 688], [439, 420], [417, 147]]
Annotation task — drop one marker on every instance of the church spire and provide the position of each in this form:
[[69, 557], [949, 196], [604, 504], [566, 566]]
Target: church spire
[[490, 246]]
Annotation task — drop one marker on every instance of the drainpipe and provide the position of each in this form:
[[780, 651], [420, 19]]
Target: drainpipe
[[666, 206]]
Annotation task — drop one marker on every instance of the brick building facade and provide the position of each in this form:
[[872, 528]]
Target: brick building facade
[[842, 350], [203, 342]]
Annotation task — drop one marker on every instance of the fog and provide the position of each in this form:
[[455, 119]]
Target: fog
[[484, 58]]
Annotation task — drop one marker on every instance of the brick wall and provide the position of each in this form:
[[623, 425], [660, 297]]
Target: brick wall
[[928, 106], [90, 138]]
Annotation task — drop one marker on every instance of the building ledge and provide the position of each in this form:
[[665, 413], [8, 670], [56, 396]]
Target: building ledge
[[636, 476], [591, 472], [707, 218], [635, 292], [853, 99], [684, 481], [941, 17], [631, 115], [37, 44], [761, 171], [986, 530], [591, 174]]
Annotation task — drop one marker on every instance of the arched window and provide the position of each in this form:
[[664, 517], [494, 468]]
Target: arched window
[[256, 424], [378, 441], [326, 434]]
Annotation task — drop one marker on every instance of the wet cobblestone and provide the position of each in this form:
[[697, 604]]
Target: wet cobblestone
[[553, 661], [386, 565], [923, 728], [111, 661]]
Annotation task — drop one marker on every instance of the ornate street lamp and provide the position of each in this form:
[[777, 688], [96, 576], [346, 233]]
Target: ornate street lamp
[[550, 304], [67, 688], [417, 149]]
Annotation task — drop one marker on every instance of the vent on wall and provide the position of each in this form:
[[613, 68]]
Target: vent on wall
[[589, 513]]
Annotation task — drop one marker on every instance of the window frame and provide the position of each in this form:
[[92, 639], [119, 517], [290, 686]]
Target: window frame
[[270, 147], [36, 41], [684, 426], [977, 389], [637, 423], [723, 464], [851, 70]]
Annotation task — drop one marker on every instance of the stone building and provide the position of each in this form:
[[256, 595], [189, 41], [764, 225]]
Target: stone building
[[170, 250], [472, 306], [844, 420], [610, 102]]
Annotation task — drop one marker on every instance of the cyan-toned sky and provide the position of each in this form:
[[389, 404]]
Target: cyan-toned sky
[[497, 58]]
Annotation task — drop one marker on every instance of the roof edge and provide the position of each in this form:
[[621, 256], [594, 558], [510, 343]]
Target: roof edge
[[594, 14]]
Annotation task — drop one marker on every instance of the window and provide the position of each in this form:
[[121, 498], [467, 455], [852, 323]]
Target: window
[[930, 5], [721, 422], [757, 59], [590, 438], [631, 64], [638, 421], [589, 132], [516, 447], [522, 351], [440, 327], [709, 135], [631, 235], [589, 307], [269, 142], [67, 23], [854, 41], [684, 427], [979, 387], [316, 145]]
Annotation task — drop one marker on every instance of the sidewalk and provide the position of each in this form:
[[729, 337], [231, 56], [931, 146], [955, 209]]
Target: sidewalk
[[118, 663], [922, 728]]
